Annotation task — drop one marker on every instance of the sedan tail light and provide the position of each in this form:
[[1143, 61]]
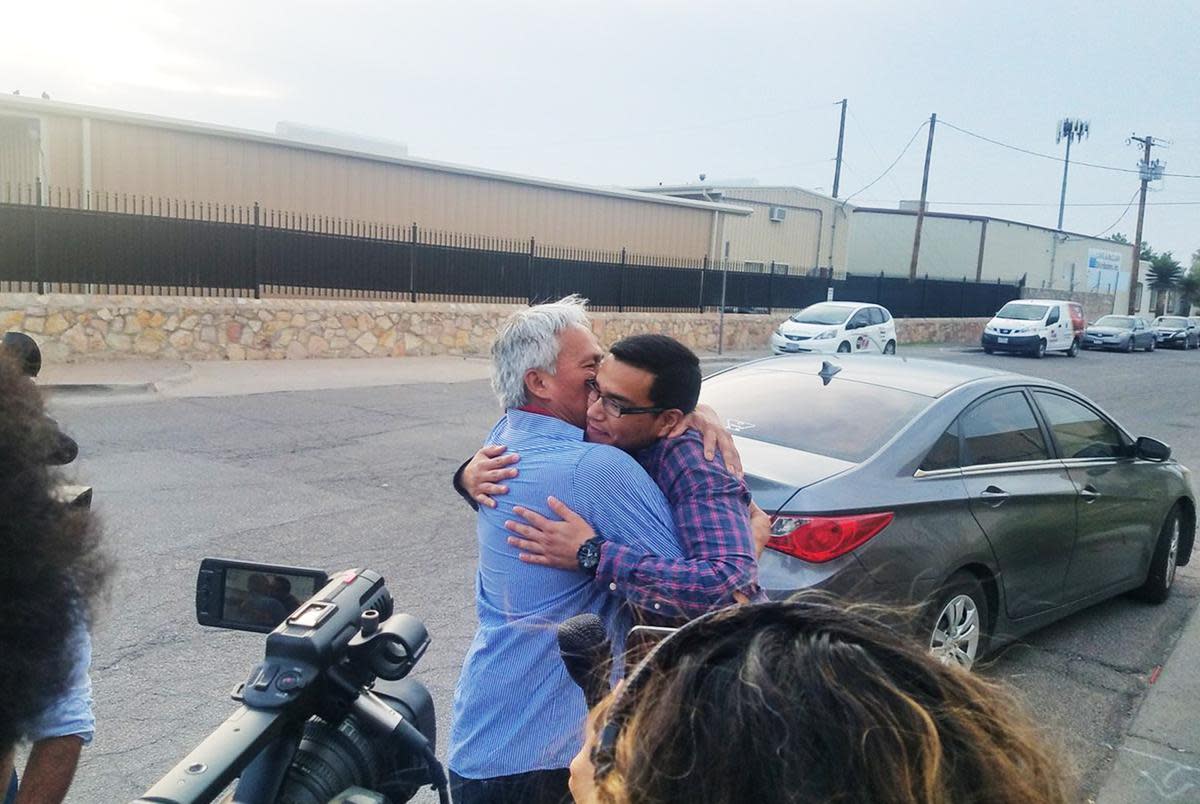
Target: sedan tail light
[[818, 539]]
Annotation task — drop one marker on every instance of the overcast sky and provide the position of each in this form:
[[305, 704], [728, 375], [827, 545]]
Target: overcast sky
[[621, 93]]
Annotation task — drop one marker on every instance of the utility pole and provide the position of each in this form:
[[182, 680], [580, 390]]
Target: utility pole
[[837, 170], [912, 268], [1150, 171], [1069, 130]]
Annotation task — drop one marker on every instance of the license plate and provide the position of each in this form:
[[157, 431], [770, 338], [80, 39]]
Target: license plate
[[791, 347], [1002, 340]]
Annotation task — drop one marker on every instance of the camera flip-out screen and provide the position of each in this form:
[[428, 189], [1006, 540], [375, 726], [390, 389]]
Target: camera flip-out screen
[[252, 597]]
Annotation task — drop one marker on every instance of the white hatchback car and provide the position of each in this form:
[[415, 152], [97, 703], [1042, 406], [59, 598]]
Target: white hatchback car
[[837, 326]]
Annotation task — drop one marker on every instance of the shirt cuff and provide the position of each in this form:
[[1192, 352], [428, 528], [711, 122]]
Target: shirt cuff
[[616, 565]]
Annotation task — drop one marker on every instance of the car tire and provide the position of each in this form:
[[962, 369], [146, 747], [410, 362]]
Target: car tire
[[1074, 350], [889, 348], [987, 350], [1161, 576], [958, 622], [1152, 346], [1128, 345], [844, 348], [1040, 351]]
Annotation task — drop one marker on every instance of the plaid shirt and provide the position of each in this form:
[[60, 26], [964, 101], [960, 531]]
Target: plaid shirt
[[712, 522]]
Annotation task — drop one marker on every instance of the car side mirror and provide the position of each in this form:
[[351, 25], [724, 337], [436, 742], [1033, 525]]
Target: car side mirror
[[1151, 449]]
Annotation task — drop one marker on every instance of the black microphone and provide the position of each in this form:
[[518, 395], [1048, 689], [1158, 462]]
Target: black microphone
[[587, 654]]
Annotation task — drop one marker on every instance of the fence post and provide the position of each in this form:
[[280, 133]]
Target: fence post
[[255, 268], [962, 299], [771, 289], [529, 263], [412, 263], [879, 289], [703, 272], [37, 237], [621, 301], [924, 295]]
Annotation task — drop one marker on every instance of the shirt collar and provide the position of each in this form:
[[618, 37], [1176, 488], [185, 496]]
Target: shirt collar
[[542, 423]]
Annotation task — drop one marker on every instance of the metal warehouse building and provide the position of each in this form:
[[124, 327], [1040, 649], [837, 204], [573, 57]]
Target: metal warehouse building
[[91, 152], [795, 230]]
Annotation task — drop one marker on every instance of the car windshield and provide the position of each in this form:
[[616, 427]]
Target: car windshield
[[1115, 321], [845, 419], [1171, 322], [1022, 312], [822, 314]]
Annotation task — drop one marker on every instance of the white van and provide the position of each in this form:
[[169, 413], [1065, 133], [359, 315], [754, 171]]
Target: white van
[[1036, 326]]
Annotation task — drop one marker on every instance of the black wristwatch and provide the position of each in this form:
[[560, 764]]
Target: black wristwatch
[[589, 555]]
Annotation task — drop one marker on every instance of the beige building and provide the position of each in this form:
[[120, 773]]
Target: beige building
[[986, 249], [86, 153], [797, 230]]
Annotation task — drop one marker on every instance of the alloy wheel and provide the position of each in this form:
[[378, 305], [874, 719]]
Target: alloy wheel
[[1172, 554], [956, 632]]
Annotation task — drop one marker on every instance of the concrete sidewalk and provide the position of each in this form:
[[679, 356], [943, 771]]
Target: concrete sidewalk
[[1159, 758], [222, 378]]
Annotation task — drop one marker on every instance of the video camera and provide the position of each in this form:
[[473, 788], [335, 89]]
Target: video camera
[[328, 715]]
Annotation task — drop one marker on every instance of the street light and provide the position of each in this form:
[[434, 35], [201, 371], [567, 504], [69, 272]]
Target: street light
[[1069, 130]]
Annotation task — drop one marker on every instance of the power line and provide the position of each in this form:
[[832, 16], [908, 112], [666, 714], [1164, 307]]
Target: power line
[[895, 161], [1059, 159], [1123, 214]]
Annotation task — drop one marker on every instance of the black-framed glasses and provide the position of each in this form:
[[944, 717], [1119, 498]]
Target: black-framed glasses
[[612, 407]]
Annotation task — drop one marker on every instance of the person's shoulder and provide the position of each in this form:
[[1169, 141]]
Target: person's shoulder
[[603, 457], [686, 452]]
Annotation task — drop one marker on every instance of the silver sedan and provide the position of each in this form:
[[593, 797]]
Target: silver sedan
[[1000, 502]]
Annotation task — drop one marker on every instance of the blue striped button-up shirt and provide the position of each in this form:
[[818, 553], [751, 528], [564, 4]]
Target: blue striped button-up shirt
[[515, 707]]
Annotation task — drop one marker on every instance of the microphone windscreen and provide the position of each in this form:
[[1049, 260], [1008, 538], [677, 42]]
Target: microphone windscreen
[[587, 655]]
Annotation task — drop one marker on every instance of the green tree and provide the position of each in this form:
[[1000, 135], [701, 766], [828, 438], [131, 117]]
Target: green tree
[[1164, 274], [1147, 252], [1189, 289]]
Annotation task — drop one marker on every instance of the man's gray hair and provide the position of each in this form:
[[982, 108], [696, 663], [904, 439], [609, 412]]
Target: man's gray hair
[[529, 340]]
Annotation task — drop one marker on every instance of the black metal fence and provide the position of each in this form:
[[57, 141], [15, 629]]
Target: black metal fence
[[229, 250]]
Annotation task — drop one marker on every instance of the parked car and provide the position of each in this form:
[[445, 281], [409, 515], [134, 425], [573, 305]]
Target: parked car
[[837, 326], [1175, 331], [1001, 502], [1034, 327], [1124, 332]]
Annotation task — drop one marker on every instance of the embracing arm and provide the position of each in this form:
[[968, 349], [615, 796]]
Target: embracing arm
[[712, 519], [481, 478]]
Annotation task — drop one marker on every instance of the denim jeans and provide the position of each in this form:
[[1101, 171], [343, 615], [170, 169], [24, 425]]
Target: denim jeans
[[534, 787]]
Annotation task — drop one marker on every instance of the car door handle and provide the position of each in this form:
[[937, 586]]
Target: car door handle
[[994, 496], [1089, 493]]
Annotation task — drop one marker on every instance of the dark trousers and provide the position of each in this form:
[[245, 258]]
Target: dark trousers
[[534, 787]]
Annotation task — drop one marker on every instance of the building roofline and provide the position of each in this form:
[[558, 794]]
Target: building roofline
[[724, 188], [982, 218], [39, 106]]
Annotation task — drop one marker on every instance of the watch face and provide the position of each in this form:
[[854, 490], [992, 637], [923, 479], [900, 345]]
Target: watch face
[[589, 555]]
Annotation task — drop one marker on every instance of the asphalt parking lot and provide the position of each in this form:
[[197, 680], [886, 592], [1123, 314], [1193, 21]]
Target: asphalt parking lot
[[361, 477]]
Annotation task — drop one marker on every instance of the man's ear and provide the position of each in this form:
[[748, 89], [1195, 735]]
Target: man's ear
[[668, 420], [535, 385]]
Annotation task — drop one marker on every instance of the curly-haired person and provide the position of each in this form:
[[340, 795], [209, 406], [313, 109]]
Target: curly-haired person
[[50, 573], [809, 701]]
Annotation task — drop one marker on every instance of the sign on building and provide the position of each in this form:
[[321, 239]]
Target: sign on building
[[1104, 271]]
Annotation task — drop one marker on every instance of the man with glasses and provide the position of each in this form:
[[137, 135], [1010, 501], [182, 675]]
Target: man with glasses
[[643, 390]]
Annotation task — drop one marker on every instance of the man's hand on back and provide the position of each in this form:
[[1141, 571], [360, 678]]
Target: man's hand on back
[[483, 475], [549, 542], [706, 421], [760, 526]]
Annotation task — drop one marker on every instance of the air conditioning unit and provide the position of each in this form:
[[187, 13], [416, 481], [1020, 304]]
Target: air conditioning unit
[[777, 214]]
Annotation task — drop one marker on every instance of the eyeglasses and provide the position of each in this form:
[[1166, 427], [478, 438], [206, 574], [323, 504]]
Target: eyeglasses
[[611, 406]]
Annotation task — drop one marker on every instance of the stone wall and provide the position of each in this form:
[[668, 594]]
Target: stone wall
[[1095, 305], [76, 328]]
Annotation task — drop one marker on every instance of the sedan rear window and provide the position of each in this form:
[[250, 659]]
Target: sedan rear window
[[846, 420]]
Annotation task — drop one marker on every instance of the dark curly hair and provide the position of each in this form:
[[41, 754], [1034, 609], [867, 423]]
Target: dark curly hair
[[814, 700], [52, 568]]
